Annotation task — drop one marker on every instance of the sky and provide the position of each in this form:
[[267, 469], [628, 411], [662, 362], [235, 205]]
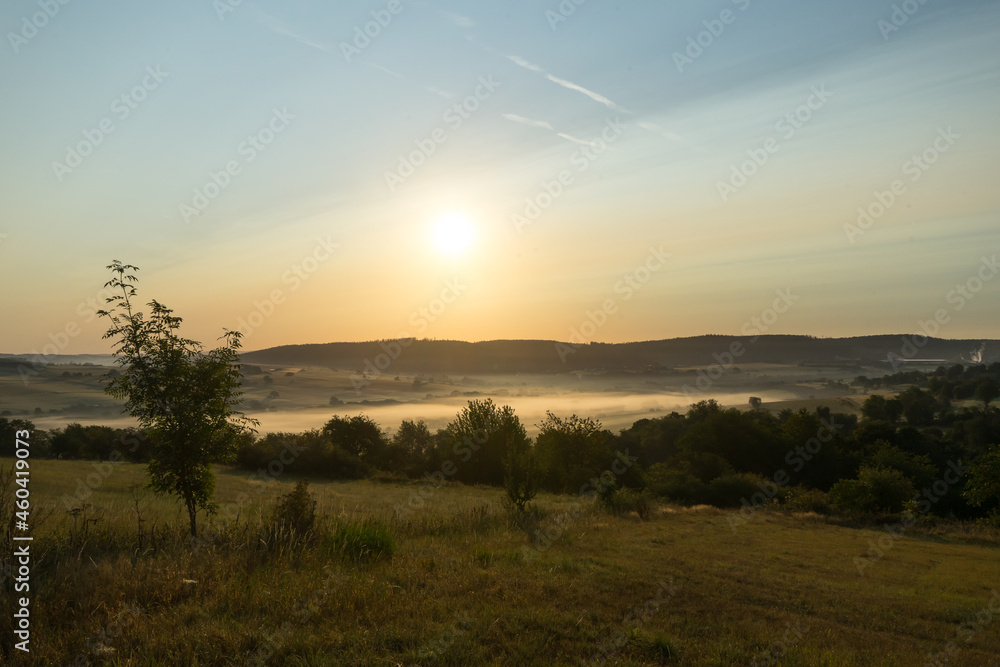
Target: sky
[[310, 172]]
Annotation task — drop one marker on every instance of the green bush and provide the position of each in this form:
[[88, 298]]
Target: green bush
[[680, 486], [803, 499], [731, 490], [296, 510], [875, 491], [625, 500], [363, 542]]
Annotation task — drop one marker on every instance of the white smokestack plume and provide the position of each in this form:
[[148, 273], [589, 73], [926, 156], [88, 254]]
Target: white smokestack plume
[[977, 355]]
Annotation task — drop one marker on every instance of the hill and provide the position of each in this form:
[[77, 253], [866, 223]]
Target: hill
[[545, 356]]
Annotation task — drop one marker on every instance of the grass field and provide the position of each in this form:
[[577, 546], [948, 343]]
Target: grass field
[[466, 586]]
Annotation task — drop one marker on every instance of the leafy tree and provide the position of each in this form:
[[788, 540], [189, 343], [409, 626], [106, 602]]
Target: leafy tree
[[983, 487], [359, 435], [414, 438], [702, 410], [879, 408], [813, 441], [919, 407], [9, 427], [411, 446], [570, 451], [746, 440], [874, 408], [76, 441], [479, 436], [987, 390], [654, 440], [868, 435], [706, 466], [184, 398], [919, 469]]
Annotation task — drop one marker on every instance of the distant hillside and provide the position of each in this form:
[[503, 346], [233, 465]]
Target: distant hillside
[[539, 356]]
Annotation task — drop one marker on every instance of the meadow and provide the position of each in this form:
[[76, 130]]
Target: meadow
[[465, 583]]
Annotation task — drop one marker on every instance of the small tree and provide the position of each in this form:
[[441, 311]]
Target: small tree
[[296, 510], [520, 477], [184, 398]]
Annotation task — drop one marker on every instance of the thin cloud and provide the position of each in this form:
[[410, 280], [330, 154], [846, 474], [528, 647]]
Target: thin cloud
[[531, 122], [443, 93], [527, 121], [383, 69], [284, 29], [521, 62], [570, 137], [459, 20], [589, 93], [597, 97], [656, 129]]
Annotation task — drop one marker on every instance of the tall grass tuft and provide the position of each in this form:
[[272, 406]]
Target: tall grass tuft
[[365, 541], [624, 500]]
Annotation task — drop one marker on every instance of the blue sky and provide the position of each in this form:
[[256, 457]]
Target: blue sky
[[311, 234]]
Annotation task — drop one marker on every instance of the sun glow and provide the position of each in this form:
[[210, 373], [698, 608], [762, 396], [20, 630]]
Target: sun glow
[[453, 234]]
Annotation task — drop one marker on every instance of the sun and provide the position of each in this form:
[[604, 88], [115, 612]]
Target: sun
[[453, 234]]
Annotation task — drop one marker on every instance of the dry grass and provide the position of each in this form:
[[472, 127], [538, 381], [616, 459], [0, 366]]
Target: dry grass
[[465, 586]]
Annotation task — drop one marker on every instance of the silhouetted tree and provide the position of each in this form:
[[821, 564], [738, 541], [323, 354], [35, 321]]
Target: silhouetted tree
[[520, 473], [360, 436], [185, 399], [479, 436], [570, 451], [983, 487], [987, 390]]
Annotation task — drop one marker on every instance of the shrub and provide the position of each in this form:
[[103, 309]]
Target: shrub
[[363, 542], [731, 490], [519, 473], [679, 486], [527, 520], [625, 500], [875, 491], [803, 499], [296, 509]]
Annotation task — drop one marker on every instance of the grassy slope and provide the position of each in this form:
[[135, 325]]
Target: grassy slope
[[459, 584]]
